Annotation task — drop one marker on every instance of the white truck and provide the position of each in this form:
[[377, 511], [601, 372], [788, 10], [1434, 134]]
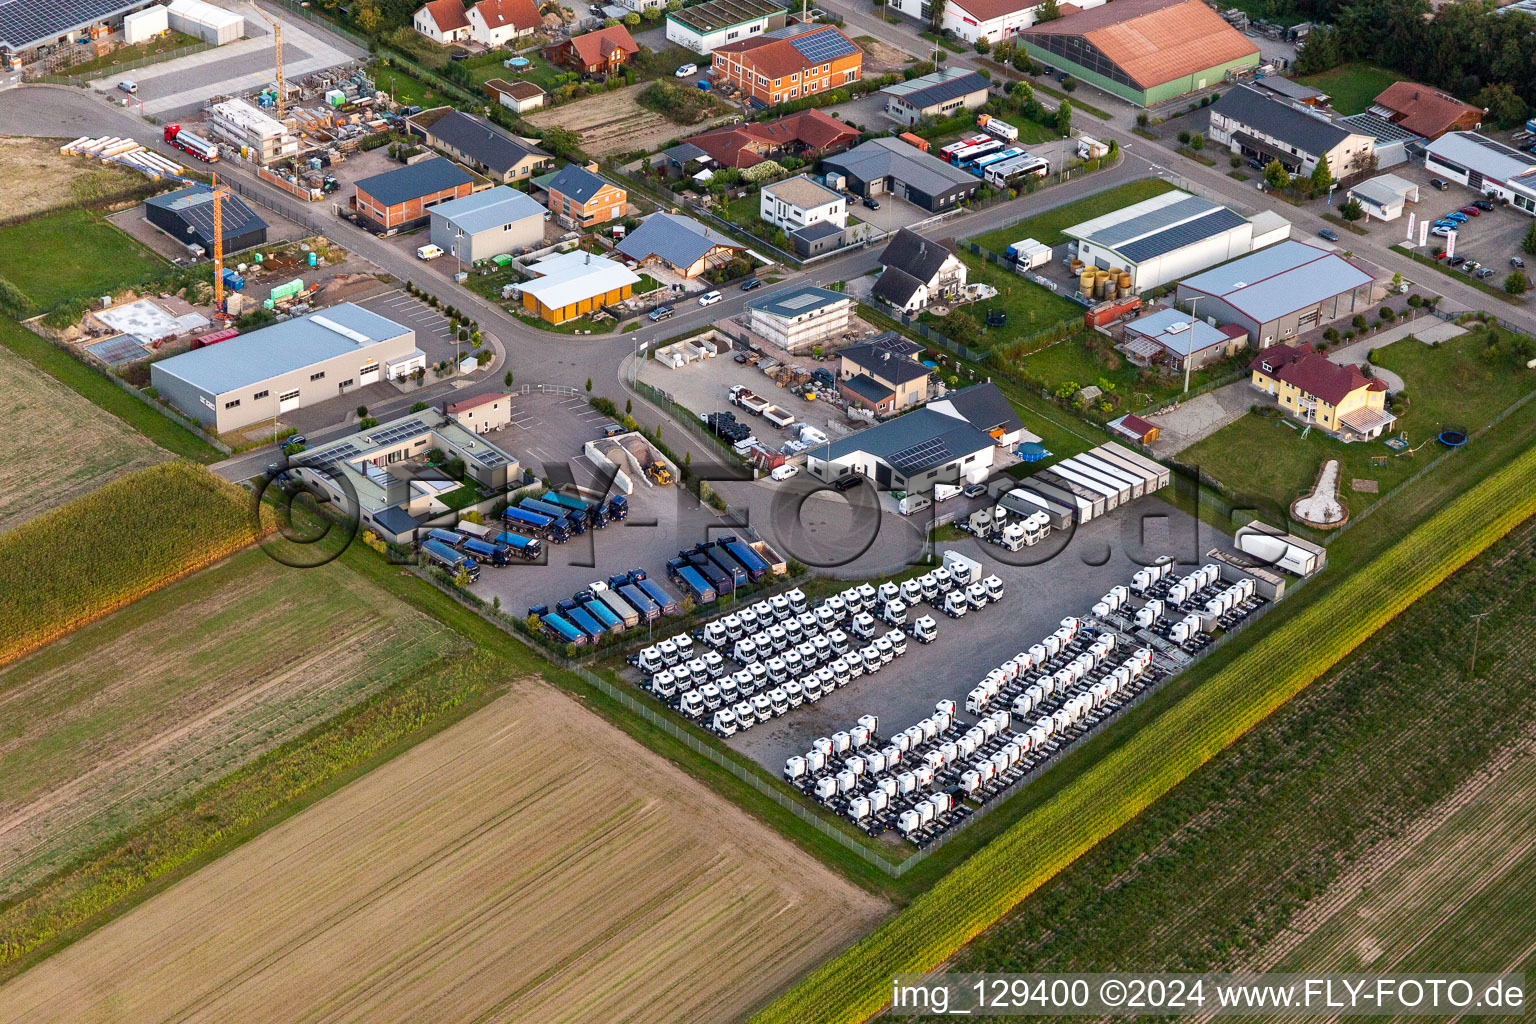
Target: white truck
[[429, 252], [910, 502], [963, 569]]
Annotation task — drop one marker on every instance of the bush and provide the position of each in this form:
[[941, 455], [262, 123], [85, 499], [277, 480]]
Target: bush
[[1184, 136], [1517, 283], [1235, 160]]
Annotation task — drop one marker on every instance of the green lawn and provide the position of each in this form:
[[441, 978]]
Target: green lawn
[[1071, 360], [1450, 384], [1047, 227], [1352, 86], [409, 90], [172, 40], [1030, 308], [70, 254]]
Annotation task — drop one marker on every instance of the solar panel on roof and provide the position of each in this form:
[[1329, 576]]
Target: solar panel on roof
[[825, 45], [919, 455], [24, 23], [1180, 235], [1150, 221]]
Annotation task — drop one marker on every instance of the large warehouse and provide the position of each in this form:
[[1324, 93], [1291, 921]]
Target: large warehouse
[[259, 376], [1171, 236], [187, 216], [27, 24], [1279, 292], [1487, 166], [1146, 51]]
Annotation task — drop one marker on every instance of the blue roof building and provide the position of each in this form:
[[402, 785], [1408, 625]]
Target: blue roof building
[[490, 223], [682, 243]]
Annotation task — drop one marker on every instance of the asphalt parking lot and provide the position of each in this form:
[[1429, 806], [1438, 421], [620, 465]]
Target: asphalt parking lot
[[433, 334], [1036, 597], [1490, 239]]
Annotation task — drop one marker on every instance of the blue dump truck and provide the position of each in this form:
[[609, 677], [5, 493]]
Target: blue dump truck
[[718, 579], [452, 561], [726, 564], [487, 551], [691, 580], [576, 524], [618, 507], [755, 564], [561, 628], [595, 514], [578, 615], [649, 610], [552, 527], [599, 611], [523, 547], [656, 592], [452, 538]]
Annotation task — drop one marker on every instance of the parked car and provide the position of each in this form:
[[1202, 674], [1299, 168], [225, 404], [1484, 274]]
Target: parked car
[[661, 313], [751, 283], [1455, 261], [1517, 262], [1442, 254], [709, 298], [428, 252], [972, 490], [128, 87], [1470, 266], [1482, 204], [1458, 217], [1441, 230], [1471, 211], [871, 202], [1257, 165], [1440, 183], [1485, 273], [1049, 70], [1330, 234], [298, 439], [847, 482], [784, 472], [686, 70], [612, 429]]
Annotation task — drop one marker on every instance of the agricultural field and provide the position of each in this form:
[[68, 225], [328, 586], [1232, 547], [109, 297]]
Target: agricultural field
[[57, 445], [71, 254], [131, 713], [1352, 86], [463, 879], [1332, 837], [612, 122], [1462, 382], [1047, 227], [38, 177]]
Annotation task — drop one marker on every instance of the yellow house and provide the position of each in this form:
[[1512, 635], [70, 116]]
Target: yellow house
[[572, 284], [1308, 386]]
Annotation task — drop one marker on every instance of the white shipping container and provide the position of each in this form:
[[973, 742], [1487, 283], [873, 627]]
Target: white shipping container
[[142, 26]]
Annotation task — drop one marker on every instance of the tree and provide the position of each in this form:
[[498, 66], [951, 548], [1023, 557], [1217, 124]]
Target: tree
[[1322, 177], [1320, 53], [1197, 141], [1529, 244], [1069, 84], [632, 19], [961, 326], [1235, 160], [366, 16], [1517, 283], [508, 378], [1143, 119], [1352, 210], [1049, 10], [983, 44], [560, 141], [629, 406], [1184, 137], [1064, 118], [1359, 321], [589, 385], [362, 411], [1276, 175], [1505, 107]]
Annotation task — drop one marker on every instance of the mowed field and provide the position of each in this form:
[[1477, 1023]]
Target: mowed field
[[117, 721], [529, 864], [57, 445]]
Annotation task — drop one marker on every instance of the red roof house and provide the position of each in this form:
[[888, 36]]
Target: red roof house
[[595, 53]]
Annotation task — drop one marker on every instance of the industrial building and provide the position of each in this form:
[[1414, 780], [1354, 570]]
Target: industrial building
[[1485, 165], [786, 64], [491, 223], [490, 411], [937, 95], [264, 137], [1171, 236], [257, 377], [1145, 51], [399, 199], [684, 245], [572, 284], [1278, 292], [714, 23], [478, 143], [142, 26], [800, 201], [1247, 121], [1171, 338], [26, 25], [1384, 196], [187, 216], [953, 440], [207, 22], [888, 166], [798, 319], [382, 473]]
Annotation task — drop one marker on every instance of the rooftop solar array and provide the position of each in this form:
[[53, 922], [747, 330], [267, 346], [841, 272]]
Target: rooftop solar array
[[397, 432], [195, 206], [1180, 235], [920, 456], [490, 458], [825, 45], [1379, 127], [25, 23], [117, 351]]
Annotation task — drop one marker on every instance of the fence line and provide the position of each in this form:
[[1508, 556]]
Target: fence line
[[83, 81]]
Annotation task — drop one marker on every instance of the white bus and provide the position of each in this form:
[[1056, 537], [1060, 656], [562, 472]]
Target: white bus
[[1007, 173]]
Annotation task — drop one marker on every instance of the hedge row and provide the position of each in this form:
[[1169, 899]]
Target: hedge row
[[974, 896], [102, 551]]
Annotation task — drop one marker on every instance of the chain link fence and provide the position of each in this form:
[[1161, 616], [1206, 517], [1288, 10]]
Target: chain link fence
[[83, 81]]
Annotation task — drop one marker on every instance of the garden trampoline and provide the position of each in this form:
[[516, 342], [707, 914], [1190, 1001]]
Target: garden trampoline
[[1453, 437]]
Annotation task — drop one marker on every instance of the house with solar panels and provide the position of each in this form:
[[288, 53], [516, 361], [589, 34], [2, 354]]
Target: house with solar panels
[[783, 65], [938, 95], [257, 377], [1169, 236], [187, 216], [382, 475], [957, 439]]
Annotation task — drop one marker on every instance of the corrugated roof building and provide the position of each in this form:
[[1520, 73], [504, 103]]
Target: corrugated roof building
[[938, 95], [187, 216], [1279, 292], [682, 243], [1146, 51], [573, 284], [1485, 165], [889, 166], [490, 223]]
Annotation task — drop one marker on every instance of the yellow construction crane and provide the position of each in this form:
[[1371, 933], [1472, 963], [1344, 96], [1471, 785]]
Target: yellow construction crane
[[277, 45], [219, 192]]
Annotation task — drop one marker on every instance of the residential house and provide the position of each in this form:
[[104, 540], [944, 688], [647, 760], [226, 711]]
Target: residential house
[[495, 153], [580, 199], [776, 67], [888, 166], [595, 53], [799, 318], [917, 271], [399, 199], [882, 375], [443, 21], [483, 413], [1426, 112], [572, 284], [800, 201], [1261, 128], [681, 243], [807, 134], [496, 23], [1176, 339], [1314, 389]]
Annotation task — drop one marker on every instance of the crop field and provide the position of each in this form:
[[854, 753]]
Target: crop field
[[1128, 779], [56, 445], [612, 122], [122, 719], [1332, 837], [38, 177], [70, 254], [112, 546], [529, 864]]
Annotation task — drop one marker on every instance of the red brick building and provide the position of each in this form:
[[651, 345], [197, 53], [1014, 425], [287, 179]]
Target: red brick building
[[802, 61], [400, 199]]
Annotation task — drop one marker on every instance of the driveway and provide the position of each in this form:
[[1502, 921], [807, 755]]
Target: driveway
[[1193, 421]]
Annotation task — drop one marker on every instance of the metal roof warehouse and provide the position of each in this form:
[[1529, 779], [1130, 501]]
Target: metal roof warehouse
[[1163, 238], [28, 23], [1280, 291]]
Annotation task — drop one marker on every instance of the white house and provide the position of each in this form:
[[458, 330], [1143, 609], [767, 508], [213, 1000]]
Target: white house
[[800, 202], [443, 21], [917, 271], [498, 22], [705, 26]]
